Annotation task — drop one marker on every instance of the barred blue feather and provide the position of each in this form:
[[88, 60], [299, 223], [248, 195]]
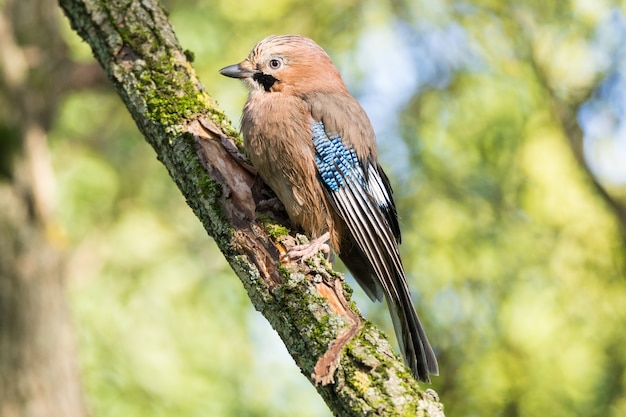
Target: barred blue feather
[[334, 160]]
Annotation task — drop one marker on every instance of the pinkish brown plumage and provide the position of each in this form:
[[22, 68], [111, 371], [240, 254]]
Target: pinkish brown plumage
[[313, 144]]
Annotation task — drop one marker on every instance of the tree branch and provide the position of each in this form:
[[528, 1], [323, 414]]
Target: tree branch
[[308, 305], [565, 109]]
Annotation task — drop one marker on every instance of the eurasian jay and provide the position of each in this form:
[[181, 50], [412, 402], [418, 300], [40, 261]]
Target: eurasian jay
[[313, 144]]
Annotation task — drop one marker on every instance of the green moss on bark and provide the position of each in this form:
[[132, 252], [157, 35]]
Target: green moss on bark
[[274, 229]]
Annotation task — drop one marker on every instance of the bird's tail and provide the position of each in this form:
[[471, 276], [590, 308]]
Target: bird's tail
[[416, 350]]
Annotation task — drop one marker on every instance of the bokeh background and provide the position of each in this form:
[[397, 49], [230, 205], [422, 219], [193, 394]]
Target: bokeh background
[[502, 126]]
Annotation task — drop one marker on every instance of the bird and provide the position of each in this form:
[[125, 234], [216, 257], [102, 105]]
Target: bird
[[312, 143]]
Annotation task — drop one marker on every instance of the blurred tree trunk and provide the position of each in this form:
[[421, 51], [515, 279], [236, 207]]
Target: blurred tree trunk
[[38, 369], [38, 364], [351, 365]]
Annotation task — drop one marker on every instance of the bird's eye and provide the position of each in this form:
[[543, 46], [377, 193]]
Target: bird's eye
[[275, 63]]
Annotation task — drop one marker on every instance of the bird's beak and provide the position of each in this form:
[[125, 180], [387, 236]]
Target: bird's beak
[[235, 71]]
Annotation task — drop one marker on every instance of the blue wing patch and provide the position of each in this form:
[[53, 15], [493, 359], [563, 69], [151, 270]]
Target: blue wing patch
[[334, 160]]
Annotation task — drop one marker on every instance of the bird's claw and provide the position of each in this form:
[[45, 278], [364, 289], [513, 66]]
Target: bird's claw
[[308, 250]]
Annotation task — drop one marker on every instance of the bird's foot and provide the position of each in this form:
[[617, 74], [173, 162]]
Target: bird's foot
[[309, 250]]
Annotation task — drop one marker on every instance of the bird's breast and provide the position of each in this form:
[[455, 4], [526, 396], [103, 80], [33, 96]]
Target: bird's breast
[[277, 137]]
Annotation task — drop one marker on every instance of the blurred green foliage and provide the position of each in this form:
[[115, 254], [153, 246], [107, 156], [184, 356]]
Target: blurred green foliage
[[516, 264]]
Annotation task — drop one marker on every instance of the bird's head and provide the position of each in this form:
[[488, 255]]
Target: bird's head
[[290, 64]]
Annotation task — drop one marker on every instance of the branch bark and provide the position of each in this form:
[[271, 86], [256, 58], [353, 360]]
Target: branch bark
[[308, 305]]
